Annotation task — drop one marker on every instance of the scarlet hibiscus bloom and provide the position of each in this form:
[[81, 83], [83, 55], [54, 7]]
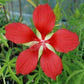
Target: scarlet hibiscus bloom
[[63, 41]]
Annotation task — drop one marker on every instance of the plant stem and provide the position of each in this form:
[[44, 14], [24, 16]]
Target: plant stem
[[12, 10], [20, 10], [82, 49], [36, 2], [4, 80], [47, 1], [9, 10], [5, 13], [57, 80], [79, 41], [3, 77]]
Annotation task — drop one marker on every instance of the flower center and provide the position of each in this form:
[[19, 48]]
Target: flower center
[[42, 41]]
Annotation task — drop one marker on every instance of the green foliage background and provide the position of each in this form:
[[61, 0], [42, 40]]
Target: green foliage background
[[73, 62]]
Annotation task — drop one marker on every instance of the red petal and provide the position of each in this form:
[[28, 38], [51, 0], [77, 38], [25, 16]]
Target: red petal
[[64, 40], [19, 33], [44, 19], [27, 60], [51, 64]]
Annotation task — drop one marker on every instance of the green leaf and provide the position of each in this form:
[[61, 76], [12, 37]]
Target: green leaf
[[3, 39], [66, 68], [57, 11], [37, 80], [79, 78], [46, 79], [77, 13], [8, 54], [2, 69], [13, 75], [81, 8], [80, 64], [31, 78], [13, 60], [73, 74]]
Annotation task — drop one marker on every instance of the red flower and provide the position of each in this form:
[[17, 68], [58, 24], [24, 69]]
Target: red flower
[[63, 41]]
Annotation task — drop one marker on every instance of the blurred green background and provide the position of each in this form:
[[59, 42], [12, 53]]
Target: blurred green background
[[69, 15]]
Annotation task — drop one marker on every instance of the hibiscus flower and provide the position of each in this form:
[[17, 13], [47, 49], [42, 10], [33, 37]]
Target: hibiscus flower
[[62, 40]]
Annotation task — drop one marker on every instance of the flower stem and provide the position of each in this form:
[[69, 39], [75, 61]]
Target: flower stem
[[57, 80]]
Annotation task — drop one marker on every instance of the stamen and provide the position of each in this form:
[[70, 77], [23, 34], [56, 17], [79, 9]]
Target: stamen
[[43, 41]]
